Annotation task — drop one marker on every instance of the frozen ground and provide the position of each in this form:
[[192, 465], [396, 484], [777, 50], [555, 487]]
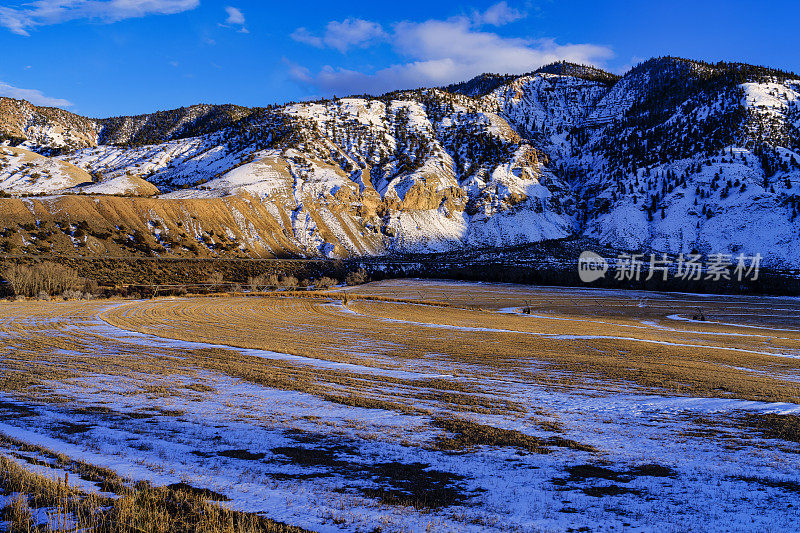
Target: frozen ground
[[662, 463]]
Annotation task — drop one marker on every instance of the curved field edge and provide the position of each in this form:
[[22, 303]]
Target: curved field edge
[[617, 342], [447, 432]]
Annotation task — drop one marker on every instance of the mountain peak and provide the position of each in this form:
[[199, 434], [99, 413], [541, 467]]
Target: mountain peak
[[485, 83], [480, 85], [576, 70]]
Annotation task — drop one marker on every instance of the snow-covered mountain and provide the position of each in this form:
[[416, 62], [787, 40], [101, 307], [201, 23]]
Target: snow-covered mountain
[[674, 156]]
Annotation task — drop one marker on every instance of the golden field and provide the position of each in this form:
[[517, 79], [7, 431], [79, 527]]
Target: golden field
[[404, 405]]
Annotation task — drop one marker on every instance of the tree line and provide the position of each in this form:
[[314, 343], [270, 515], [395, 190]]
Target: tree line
[[45, 280]]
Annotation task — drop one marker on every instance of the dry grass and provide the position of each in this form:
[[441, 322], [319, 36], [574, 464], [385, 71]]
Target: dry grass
[[45, 349], [475, 355], [614, 340], [783, 427], [107, 479], [465, 434], [139, 508], [48, 345]]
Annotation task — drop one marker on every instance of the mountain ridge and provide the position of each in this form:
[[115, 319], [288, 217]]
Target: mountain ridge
[[675, 155]]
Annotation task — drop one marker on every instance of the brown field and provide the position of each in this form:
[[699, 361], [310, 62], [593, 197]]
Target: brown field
[[700, 359], [442, 371]]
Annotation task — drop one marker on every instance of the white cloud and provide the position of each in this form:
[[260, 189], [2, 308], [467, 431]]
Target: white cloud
[[48, 12], [352, 33], [302, 35], [349, 33], [32, 95], [298, 72], [498, 15], [438, 52], [235, 18]]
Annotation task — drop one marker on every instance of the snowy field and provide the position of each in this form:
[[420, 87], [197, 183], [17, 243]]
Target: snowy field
[[423, 406]]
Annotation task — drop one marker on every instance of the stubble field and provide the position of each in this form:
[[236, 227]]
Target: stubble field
[[411, 406]]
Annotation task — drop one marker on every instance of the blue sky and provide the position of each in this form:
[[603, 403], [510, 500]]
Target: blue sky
[[117, 57]]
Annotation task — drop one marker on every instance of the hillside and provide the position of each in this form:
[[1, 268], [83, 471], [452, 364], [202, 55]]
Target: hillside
[[47, 129], [124, 227], [166, 125], [26, 172], [674, 156]]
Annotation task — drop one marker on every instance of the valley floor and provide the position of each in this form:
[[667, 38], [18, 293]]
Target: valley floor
[[421, 405]]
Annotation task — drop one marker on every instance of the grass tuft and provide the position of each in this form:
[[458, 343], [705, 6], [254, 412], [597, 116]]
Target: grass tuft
[[784, 427], [466, 434]]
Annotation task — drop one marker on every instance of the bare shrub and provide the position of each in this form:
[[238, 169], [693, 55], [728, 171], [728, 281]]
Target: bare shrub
[[358, 277], [215, 280], [91, 286], [55, 278], [255, 283], [325, 282], [44, 278], [288, 281], [18, 278], [72, 294], [272, 280]]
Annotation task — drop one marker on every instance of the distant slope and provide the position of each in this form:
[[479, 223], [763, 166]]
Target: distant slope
[[584, 72], [48, 129], [479, 85], [54, 130], [164, 126], [697, 156], [126, 185], [674, 156], [486, 83], [26, 172], [122, 227]]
